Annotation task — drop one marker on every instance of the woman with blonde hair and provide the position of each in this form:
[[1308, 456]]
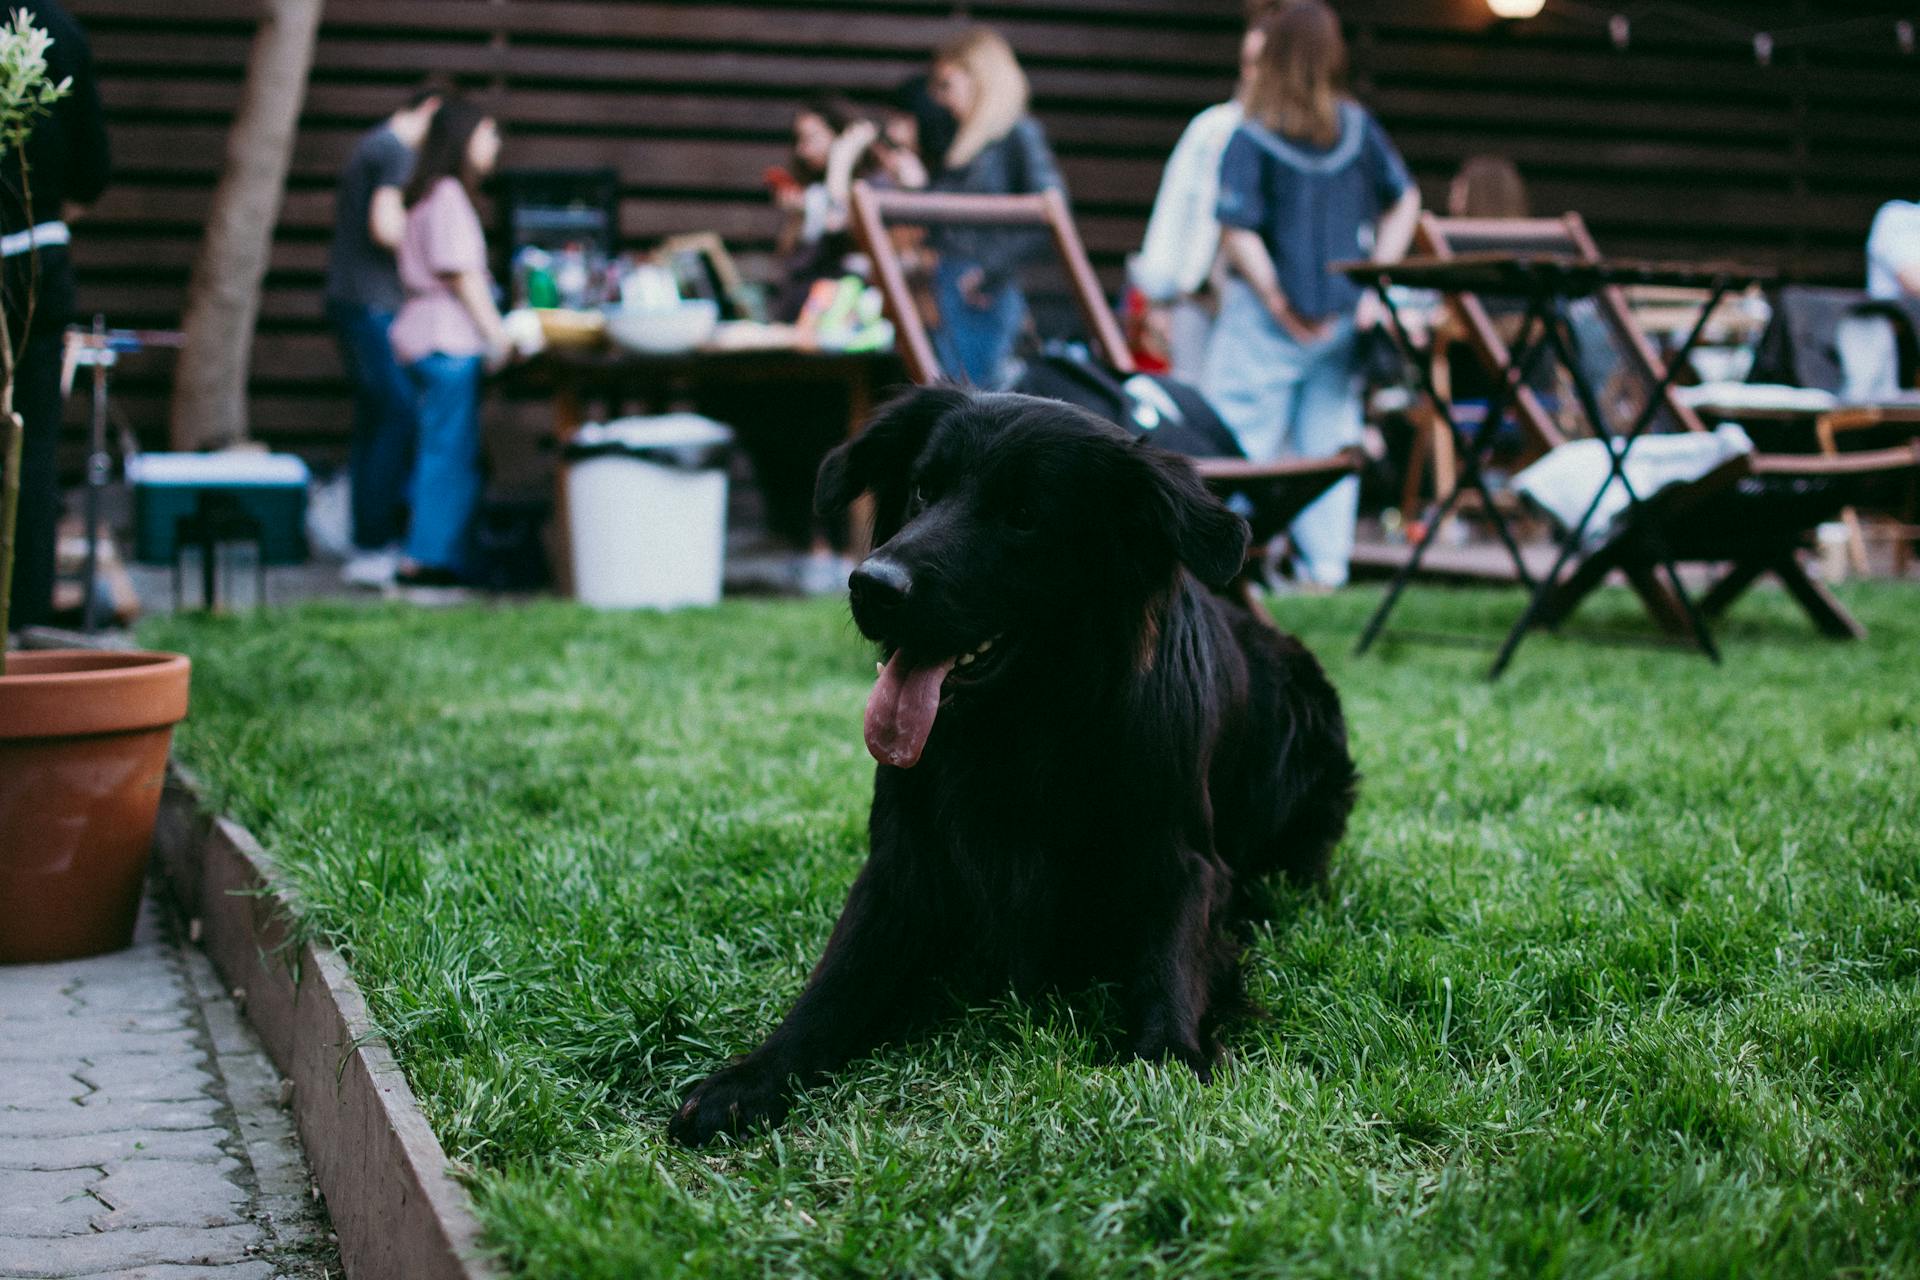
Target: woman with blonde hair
[[997, 149], [1308, 179]]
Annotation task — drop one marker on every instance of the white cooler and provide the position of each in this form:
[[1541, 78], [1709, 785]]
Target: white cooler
[[647, 511]]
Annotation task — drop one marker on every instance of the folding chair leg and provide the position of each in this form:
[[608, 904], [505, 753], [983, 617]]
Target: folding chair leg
[[1828, 614], [1567, 596], [1446, 467], [1663, 605], [1419, 461], [1731, 587], [1856, 540]]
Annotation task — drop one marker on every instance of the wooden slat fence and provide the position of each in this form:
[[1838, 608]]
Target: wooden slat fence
[[1681, 146]]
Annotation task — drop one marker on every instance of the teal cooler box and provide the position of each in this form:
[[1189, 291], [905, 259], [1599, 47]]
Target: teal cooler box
[[269, 487]]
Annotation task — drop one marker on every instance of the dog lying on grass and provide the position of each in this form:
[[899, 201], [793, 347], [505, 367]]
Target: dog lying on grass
[[1085, 755]]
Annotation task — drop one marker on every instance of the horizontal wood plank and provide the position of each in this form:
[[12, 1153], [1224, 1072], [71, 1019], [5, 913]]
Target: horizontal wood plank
[[1681, 147]]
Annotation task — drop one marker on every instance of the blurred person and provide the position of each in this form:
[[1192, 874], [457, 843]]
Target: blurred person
[[1174, 268], [1309, 178], [916, 132], [1893, 252], [67, 159], [447, 335], [1488, 186], [832, 145], [998, 149], [363, 295], [830, 138]]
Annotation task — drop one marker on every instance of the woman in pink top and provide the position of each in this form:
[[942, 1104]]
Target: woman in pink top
[[447, 334]]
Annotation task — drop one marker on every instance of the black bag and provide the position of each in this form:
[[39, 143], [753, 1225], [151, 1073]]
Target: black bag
[[1170, 413], [506, 548]]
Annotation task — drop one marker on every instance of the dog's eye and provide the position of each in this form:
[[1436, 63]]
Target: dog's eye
[[917, 500], [1022, 519]]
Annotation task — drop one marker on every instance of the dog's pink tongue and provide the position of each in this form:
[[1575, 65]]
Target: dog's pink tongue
[[901, 709]]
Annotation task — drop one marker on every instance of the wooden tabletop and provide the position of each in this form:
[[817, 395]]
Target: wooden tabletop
[[1548, 275], [606, 358]]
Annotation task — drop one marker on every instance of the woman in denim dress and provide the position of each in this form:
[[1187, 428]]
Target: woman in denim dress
[[998, 150], [1308, 179]]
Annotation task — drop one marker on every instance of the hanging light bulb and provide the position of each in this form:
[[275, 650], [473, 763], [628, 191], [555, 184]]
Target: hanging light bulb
[[1516, 8], [1763, 49], [1903, 35], [1620, 30]]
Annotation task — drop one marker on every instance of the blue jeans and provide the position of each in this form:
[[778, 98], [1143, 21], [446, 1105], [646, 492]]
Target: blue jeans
[[446, 474], [383, 424], [1285, 399], [974, 343]]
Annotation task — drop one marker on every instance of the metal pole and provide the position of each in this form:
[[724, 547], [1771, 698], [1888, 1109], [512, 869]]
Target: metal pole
[[97, 467]]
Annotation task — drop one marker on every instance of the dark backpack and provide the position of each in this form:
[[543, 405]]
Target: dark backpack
[[1170, 413]]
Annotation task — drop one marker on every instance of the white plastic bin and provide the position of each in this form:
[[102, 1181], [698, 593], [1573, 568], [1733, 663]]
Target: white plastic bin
[[647, 511]]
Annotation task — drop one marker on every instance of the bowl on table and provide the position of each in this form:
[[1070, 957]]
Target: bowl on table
[[664, 331], [562, 327]]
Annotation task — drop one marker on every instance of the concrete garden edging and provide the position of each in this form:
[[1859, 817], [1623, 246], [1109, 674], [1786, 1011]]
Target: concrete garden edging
[[398, 1211]]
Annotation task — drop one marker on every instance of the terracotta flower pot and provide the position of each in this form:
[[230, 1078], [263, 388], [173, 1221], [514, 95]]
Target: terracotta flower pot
[[83, 753]]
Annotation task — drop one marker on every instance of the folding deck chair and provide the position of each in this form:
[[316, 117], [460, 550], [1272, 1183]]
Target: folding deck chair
[[1277, 491], [1753, 514], [1478, 325], [1896, 518]]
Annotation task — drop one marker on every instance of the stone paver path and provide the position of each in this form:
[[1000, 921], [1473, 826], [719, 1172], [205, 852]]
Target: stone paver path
[[141, 1131]]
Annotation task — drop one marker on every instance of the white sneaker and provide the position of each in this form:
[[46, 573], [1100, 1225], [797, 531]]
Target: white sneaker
[[371, 569]]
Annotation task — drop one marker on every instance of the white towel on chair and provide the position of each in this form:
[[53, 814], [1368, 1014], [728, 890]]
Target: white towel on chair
[[1563, 482]]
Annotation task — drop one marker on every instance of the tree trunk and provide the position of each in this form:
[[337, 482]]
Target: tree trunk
[[223, 298]]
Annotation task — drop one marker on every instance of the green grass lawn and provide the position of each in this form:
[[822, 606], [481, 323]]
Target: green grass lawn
[[1618, 973]]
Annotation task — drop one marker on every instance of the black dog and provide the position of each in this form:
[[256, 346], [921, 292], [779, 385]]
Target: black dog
[[1084, 753]]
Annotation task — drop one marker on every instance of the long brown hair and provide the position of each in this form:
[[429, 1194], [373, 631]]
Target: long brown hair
[[999, 84], [1300, 79], [443, 153], [1488, 187]]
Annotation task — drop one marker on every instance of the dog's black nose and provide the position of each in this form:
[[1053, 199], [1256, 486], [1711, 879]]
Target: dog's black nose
[[880, 584]]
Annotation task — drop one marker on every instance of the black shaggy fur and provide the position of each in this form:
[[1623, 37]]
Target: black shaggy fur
[[1099, 789]]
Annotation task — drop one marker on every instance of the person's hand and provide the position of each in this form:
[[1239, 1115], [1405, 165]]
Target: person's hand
[[1156, 327], [856, 137], [1306, 333], [1371, 313], [499, 352], [904, 167], [790, 199], [972, 286]]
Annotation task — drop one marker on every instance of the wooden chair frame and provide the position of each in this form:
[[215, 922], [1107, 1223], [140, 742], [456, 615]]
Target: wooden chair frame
[[1902, 525], [1470, 319], [1287, 487], [1753, 514], [871, 209]]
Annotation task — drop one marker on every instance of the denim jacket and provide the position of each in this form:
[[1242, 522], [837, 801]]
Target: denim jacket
[[1017, 163], [1313, 206]]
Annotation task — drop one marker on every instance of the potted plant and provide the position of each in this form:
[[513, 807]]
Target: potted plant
[[84, 734]]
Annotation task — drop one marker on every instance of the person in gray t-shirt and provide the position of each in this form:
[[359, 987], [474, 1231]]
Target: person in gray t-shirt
[[363, 293]]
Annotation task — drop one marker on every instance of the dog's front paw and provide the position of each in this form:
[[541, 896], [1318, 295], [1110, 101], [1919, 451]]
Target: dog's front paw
[[732, 1101], [1158, 1048]]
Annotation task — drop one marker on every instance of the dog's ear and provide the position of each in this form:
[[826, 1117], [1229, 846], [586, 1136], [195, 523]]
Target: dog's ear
[[881, 453], [1204, 535]]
